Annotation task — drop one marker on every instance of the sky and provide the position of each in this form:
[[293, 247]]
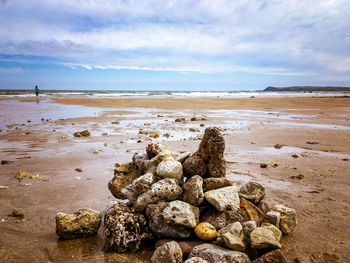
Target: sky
[[210, 45]]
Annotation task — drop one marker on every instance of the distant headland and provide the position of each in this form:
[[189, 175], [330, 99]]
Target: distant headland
[[307, 88]]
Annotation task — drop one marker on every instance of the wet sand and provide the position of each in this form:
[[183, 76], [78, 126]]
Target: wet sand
[[317, 129]]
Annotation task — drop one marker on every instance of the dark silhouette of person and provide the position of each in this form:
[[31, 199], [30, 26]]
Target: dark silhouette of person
[[36, 91]]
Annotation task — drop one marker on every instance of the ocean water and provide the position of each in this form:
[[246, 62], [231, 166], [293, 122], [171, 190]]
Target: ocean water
[[164, 94]]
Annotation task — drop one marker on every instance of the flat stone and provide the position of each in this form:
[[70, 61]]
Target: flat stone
[[205, 231], [288, 218], [274, 256], [216, 254], [193, 190], [262, 238], [83, 223], [168, 253], [169, 168], [220, 219], [212, 183], [224, 199], [273, 218], [252, 191], [250, 212], [180, 213], [277, 233], [232, 236]]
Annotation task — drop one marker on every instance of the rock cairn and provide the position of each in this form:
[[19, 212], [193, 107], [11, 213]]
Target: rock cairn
[[186, 203]]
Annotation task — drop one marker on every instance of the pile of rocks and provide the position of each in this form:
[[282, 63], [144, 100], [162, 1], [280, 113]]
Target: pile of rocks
[[185, 202]]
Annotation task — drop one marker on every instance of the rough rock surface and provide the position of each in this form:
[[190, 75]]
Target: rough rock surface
[[196, 260], [193, 190], [166, 190], [224, 199], [252, 191], [277, 233], [288, 218], [250, 212], [274, 256], [185, 245], [263, 207], [248, 228], [212, 183], [85, 222], [84, 133], [273, 218], [205, 231], [216, 254], [209, 160], [139, 186], [220, 219], [124, 175], [168, 253], [125, 229], [262, 238], [169, 168], [180, 213], [160, 227], [232, 236]]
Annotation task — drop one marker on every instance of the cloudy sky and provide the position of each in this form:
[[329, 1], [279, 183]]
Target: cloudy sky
[[173, 45]]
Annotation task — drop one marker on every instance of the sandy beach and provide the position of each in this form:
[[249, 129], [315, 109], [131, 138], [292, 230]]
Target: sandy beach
[[37, 137]]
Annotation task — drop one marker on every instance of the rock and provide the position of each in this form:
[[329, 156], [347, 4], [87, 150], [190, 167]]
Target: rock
[[85, 222], [223, 199], [250, 212], [124, 228], [252, 191], [17, 215], [160, 227], [216, 254], [273, 218], [220, 219], [4, 187], [169, 168], [196, 260], [180, 213], [79, 170], [194, 130], [180, 120], [193, 190], [274, 256], [139, 186], [185, 245], [123, 176], [248, 228], [115, 122], [296, 155], [232, 236], [20, 175], [5, 162], [182, 157], [277, 233], [212, 183], [166, 190], [278, 146], [85, 133], [264, 207], [263, 165], [209, 160], [288, 218], [168, 253], [193, 119], [262, 238], [205, 231]]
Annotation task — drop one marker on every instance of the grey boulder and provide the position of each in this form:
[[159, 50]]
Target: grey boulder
[[193, 190], [252, 191]]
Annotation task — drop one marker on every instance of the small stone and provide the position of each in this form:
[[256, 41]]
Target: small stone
[[193, 191], [273, 218], [224, 199], [248, 228], [277, 233], [274, 256], [288, 218], [169, 168], [196, 260], [250, 212], [262, 238], [263, 165], [168, 253], [147, 124], [154, 135], [5, 162], [278, 146], [181, 214], [216, 254], [201, 125], [17, 215], [220, 219], [194, 130], [205, 231], [232, 236], [212, 183], [297, 156], [252, 191], [79, 170], [21, 175], [2, 187], [104, 134], [84, 133], [180, 120], [85, 222], [115, 122], [193, 119]]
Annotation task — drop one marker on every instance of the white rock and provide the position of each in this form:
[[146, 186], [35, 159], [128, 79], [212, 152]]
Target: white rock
[[288, 218], [181, 214], [224, 199], [169, 168]]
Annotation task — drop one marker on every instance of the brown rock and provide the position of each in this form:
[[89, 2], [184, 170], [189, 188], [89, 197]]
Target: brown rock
[[212, 183], [250, 212], [85, 133], [274, 256], [209, 160], [263, 207], [220, 219], [185, 245]]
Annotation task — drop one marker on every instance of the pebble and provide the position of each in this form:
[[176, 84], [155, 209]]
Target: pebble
[[205, 231]]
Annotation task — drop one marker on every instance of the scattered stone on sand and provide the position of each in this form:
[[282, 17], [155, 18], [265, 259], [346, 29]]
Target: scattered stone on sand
[[180, 120], [216, 254], [193, 191], [115, 122], [169, 168], [262, 238], [166, 190], [180, 213], [160, 227], [124, 175], [273, 217], [224, 199], [297, 156], [5, 162], [248, 228], [274, 256], [201, 125], [263, 165], [232, 236], [85, 222], [209, 160], [212, 183], [17, 215], [345, 159], [125, 229], [2, 187], [168, 253], [196, 260], [299, 176], [154, 135], [312, 142], [21, 175], [79, 170], [84, 133], [193, 119], [194, 130], [104, 134], [220, 219], [277, 233], [250, 212], [29, 120], [205, 231], [278, 146], [288, 218], [34, 176], [252, 191]]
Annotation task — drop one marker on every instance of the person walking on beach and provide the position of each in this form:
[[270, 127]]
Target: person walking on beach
[[36, 91]]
